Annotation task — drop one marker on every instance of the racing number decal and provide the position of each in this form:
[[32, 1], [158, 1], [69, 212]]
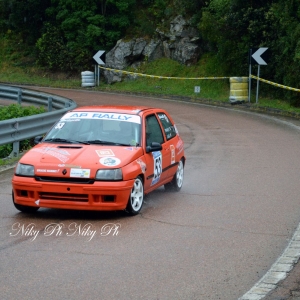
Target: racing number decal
[[59, 125], [157, 161]]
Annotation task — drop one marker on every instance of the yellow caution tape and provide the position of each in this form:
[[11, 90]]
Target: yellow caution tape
[[160, 77], [276, 84], [197, 78]]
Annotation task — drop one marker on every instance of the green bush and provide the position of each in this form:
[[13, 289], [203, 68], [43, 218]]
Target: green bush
[[17, 111]]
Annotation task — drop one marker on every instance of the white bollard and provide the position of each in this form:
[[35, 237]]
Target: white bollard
[[87, 79]]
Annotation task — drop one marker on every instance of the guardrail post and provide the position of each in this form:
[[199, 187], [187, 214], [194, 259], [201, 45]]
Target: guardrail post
[[19, 96], [16, 148], [49, 104]]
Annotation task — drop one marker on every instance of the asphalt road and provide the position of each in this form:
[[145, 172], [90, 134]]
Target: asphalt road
[[235, 215]]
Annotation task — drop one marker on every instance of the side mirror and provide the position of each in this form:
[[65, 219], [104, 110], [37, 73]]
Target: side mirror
[[37, 139], [154, 147]]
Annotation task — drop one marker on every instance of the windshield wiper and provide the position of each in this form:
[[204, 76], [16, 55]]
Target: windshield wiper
[[107, 143], [66, 141]]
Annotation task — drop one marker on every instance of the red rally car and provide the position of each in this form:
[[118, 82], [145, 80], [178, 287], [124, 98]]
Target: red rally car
[[101, 158]]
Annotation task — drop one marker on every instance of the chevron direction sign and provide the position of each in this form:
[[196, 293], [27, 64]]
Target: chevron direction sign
[[99, 57], [259, 56]]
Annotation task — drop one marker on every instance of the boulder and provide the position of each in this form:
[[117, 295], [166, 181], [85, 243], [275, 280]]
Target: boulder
[[122, 56], [180, 43], [177, 26], [153, 50], [131, 53], [186, 52]]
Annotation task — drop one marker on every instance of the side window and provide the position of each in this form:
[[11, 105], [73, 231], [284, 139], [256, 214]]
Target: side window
[[169, 128], [153, 131]]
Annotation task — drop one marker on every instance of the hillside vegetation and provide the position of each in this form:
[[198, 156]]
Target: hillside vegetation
[[49, 42]]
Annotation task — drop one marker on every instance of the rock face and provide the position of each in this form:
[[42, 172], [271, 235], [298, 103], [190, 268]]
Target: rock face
[[180, 43], [130, 53]]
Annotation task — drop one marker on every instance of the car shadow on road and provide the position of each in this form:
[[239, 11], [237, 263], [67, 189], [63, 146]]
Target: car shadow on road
[[66, 214]]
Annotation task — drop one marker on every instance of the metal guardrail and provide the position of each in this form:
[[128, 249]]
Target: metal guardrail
[[18, 129]]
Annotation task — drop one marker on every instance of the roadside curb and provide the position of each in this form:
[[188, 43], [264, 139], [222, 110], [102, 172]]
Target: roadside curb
[[278, 271], [7, 167]]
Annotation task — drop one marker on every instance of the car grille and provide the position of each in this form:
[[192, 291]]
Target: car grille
[[65, 180], [63, 196]]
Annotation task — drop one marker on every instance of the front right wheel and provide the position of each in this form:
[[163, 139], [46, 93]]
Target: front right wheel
[[136, 198]]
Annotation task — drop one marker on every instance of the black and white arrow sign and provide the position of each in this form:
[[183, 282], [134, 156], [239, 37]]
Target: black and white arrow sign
[[259, 56], [99, 57]]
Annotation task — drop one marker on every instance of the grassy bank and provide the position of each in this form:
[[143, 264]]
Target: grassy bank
[[212, 89]]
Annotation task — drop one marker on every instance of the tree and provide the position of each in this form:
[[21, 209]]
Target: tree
[[82, 27], [232, 28], [286, 46], [25, 17]]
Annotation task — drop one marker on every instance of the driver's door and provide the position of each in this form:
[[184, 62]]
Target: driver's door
[[157, 161]]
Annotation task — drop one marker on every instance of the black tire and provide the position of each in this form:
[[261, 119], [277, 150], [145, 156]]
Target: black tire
[[176, 183], [24, 208], [136, 198]]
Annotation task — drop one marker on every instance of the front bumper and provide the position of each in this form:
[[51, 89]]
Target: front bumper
[[101, 195]]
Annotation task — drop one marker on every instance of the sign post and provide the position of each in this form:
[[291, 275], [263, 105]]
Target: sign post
[[99, 57], [258, 56], [250, 70]]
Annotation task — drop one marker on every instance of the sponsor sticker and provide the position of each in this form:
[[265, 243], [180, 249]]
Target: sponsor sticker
[[103, 116], [105, 152], [172, 148], [80, 173], [109, 161], [176, 130], [179, 146], [142, 164], [163, 117], [69, 166], [60, 154], [52, 171]]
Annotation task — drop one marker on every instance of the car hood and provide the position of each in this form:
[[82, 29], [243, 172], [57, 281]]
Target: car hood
[[54, 158]]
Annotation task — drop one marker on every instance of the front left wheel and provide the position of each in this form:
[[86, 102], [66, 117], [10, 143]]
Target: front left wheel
[[136, 198]]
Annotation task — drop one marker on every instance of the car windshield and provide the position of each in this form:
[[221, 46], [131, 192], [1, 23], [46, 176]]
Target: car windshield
[[97, 128]]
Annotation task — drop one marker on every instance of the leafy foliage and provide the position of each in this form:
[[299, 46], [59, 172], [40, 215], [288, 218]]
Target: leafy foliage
[[16, 111], [25, 17]]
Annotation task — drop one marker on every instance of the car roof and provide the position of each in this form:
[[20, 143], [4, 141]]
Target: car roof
[[114, 108]]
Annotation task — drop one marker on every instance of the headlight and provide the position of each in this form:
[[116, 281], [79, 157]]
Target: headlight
[[24, 170], [111, 174]]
